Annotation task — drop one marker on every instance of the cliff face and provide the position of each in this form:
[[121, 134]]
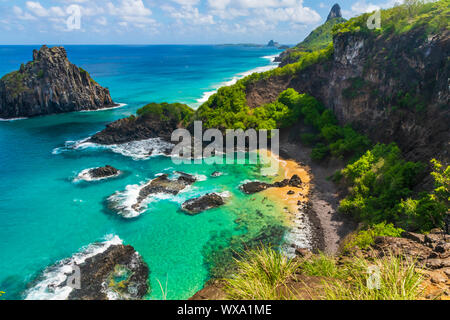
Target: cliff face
[[50, 84], [392, 89]]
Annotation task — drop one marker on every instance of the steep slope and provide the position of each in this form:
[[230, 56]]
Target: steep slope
[[391, 84], [50, 84], [318, 39]]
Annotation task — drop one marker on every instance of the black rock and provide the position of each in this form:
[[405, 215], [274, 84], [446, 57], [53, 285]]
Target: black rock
[[295, 181], [208, 201], [98, 275], [103, 172], [335, 12], [254, 187]]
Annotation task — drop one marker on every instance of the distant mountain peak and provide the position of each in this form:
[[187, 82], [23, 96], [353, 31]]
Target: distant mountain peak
[[335, 12]]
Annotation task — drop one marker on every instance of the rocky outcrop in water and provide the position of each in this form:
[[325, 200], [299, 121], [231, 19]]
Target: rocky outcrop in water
[[134, 129], [103, 172], [257, 186], [152, 121], [208, 201], [163, 184], [117, 273], [50, 84]]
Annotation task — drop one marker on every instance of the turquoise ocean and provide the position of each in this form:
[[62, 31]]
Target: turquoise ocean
[[47, 215]]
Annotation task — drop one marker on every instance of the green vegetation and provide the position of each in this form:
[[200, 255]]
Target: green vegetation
[[330, 138], [322, 265], [318, 39], [178, 112], [429, 209], [14, 82], [382, 183], [429, 16], [364, 238], [259, 276], [396, 279], [265, 274], [228, 109]]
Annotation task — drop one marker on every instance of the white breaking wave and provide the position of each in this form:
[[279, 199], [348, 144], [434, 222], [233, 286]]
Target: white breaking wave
[[52, 283], [206, 95], [12, 119], [119, 105], [138, 150], [299, 236]]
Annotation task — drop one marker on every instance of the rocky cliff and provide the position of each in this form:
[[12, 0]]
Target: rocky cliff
[[391, 87], [50, 84]]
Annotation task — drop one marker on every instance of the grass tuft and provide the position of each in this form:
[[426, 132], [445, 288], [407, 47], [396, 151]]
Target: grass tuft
[[260, 275]]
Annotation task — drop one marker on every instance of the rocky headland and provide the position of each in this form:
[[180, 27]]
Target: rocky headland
[[50, 84]]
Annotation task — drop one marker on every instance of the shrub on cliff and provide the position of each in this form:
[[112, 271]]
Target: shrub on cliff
[[381, 189], [364, 238], [430, 16], [178, 112], [430, 209]]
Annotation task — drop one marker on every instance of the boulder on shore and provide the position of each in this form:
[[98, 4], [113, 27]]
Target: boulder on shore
[[208, 201]]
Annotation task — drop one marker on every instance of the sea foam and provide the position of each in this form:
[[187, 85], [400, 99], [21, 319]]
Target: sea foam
[[206, 95], [138, 150], [51, 285]]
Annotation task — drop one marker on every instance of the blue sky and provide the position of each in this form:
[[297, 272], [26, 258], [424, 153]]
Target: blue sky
[[168, 21]]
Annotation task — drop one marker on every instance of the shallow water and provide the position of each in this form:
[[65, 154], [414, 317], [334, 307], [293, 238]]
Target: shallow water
[[46, 216]]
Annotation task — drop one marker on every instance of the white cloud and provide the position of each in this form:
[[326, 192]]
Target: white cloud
[[361, 7], [129, 8], [189, 14]]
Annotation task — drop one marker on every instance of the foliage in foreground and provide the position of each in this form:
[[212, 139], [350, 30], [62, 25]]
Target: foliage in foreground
[[261, 272], [389, 278], [259, 275]]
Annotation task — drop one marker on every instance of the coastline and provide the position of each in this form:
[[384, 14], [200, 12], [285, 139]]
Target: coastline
[[330, 226], [207, 94], [305, 227]]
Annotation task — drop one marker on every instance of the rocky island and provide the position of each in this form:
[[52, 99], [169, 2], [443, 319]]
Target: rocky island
[[50, 84], [119, 273]]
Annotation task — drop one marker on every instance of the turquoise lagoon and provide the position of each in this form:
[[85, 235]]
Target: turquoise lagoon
[[46, 215]]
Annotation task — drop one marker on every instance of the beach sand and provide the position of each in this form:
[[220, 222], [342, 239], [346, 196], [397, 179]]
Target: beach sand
[[286, 169]]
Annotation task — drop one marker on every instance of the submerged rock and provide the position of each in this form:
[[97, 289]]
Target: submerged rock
[[50, 84], [117, 273], [216, 174], [208, 201]]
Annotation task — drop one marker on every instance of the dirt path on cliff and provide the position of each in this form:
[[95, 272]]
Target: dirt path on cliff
[[324, 200]]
